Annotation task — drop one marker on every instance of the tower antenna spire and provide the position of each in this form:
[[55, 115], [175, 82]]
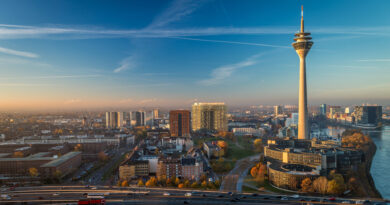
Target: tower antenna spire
[[302, 23]]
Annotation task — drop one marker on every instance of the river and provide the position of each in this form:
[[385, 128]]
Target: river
[[381, 164]]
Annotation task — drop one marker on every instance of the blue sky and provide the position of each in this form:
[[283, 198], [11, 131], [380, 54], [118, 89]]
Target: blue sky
[[79, 54]]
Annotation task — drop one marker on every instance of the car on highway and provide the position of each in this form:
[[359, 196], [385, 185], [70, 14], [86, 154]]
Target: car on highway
[[56, 194], [5, 197], [332, 199], [284, 198], [188, 194], [295, 196], [166, 194]]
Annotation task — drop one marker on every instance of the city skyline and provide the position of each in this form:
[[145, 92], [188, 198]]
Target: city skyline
[[152, 53]]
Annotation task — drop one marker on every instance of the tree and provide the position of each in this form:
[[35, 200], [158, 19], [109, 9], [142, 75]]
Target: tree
[[168, 182], [217, 183], [222, 144], [195, 185], [33, 171], [140, 183], [211, 185], [18, 154], [124, 183], [258, 144], [204, 184], [177, 181], [78, 148], [187, 183], [254, 171], [102, 156], [151, 182], [336, 186], [354, 185], [306, 185], [320, 185], [162, 179], [180, 186]]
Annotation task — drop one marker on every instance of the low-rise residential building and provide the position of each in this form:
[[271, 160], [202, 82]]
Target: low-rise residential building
[[212, 149], [191, 168], [169, 167]]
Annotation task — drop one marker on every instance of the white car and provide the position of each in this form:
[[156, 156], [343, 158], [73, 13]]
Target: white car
[[166, 194], [284, 198], [295, 196], [188, 194], [94, 188], [5, 197], [56, 194]]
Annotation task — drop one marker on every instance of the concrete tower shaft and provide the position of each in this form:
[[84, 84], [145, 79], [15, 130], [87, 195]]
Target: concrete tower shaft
[[302, 46]]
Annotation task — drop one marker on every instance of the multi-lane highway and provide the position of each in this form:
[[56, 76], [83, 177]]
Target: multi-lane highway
[[134, 195]]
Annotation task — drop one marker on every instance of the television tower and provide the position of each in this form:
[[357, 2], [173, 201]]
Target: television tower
[[302, 46]]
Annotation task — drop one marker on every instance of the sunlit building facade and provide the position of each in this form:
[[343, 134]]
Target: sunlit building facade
[[211, 116]]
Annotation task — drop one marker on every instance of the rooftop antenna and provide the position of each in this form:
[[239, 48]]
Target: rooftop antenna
[[302, 24]]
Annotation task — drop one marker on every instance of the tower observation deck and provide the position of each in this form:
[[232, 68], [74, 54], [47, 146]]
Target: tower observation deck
[[302, 46]]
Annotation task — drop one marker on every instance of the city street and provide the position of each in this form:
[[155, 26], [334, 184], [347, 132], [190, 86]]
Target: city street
[[233, 181]]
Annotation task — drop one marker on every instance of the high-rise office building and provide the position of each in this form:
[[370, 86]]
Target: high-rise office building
[[179, 123], [278, 110], [156, 113], [210, 116], [323, 109], [302, 46], [137, 118], [368, 116], [114, 120]]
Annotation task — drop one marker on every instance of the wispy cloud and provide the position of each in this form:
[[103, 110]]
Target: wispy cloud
[[23, 61], [175, 12], [223, 72], [375, 60], [233, 42], [155, 30], [126, 64], [18, 53]]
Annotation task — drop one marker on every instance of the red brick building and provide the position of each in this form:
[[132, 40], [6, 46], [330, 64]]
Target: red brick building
[[179, 122]]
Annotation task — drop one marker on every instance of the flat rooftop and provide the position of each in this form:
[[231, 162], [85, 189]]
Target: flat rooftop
[[61, 160], [39, 154], [26, 159], [4, 155]]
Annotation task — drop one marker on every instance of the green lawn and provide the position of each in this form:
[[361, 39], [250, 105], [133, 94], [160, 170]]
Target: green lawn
[[249, 180], [248, 189], [235, 152]]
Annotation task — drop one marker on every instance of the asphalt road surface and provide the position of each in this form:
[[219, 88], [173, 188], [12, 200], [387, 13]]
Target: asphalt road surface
[[134, 195]]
